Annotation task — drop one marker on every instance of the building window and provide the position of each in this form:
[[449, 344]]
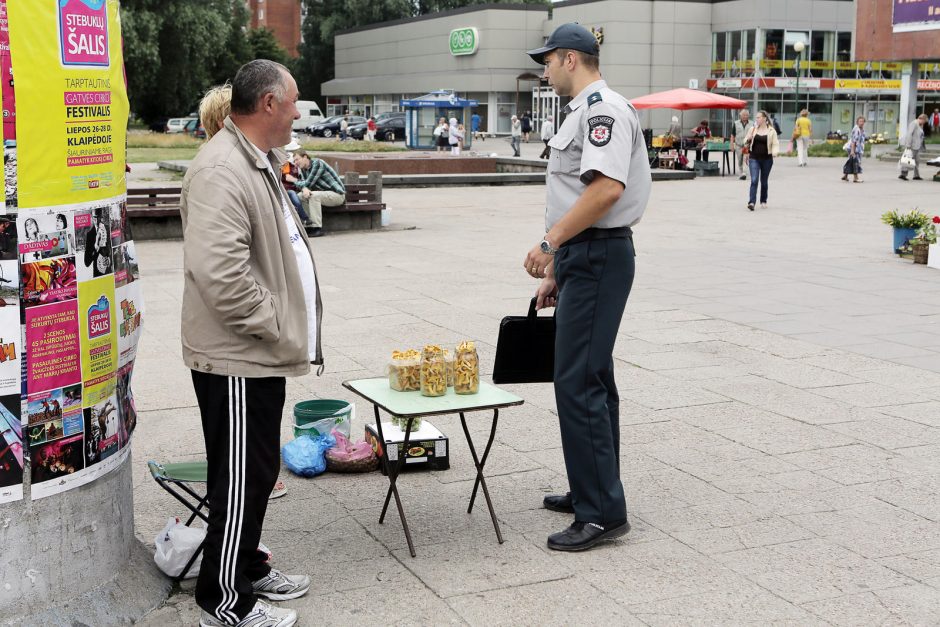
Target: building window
[[772, 63], [844, 55], [260, 14]]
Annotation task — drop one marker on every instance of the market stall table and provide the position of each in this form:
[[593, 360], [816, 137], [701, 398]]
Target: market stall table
[[411, 405]]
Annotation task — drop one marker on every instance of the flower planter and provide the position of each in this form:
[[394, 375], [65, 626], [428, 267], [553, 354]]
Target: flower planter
[[920, 253], [901, 236], [933, 256]]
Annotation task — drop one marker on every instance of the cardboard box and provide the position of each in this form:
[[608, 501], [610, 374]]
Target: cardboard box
[[428, 448]]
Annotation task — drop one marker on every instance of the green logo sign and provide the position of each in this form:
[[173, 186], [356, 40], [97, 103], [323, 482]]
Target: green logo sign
[[464, 41]]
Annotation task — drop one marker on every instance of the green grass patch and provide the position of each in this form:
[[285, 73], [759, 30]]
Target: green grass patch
[[145, 147], [352, 145], [827, 150], [151, 155]]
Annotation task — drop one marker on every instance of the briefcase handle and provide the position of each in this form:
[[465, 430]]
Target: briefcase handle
[[532, 312]]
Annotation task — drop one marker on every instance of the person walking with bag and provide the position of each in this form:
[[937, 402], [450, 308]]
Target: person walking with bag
[[762, 146], [913, 143], [597, 185], [547, 132], [739, 131], [802, 131], [855, 148]]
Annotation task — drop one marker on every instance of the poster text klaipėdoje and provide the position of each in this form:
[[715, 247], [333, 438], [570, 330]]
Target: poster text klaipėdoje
[[78, 306]]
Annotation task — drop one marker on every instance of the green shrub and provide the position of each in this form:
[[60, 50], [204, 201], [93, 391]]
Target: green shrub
[[913, 219]]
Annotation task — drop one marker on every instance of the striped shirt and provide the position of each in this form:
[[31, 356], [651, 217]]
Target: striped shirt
[[321, 177]]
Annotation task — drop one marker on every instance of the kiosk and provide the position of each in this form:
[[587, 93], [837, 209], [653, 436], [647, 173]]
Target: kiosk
[[422, 114]]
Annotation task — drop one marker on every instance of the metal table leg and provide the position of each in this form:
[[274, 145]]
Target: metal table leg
[[479, 463], [393, 470]]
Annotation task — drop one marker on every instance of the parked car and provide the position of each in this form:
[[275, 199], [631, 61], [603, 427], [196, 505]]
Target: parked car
[[195, 128], [330, 126], [388, 127], [177, 125], [158, 125]]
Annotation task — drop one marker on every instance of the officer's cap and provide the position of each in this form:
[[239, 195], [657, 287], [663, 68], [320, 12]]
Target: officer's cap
[[572, 36]]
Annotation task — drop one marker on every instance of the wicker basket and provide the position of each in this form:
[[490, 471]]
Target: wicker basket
[[920, 252], [360, 465]]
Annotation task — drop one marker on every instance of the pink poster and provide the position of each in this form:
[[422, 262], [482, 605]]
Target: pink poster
[[6, 76], [83, 32], [53, 347]]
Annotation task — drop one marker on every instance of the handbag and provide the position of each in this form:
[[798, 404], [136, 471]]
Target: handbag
[[796, 134], [907, 159], [525, 350]]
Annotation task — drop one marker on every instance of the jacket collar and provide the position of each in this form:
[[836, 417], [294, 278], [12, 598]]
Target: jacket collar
[[587, 91], [276, 155]]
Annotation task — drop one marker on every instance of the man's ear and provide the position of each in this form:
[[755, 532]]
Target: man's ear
[[267, 101]]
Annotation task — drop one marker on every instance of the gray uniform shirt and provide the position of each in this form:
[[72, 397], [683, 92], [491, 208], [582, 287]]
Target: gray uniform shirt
[[601, 133]]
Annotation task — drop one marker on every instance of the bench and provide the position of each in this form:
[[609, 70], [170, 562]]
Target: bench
[[154, 212]]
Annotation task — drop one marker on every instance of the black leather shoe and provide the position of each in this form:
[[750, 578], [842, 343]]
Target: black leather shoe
[[316, 232], [558, 503], [917, 178], [582, 536]]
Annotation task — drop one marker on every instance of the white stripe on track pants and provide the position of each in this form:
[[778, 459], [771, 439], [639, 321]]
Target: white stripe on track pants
[[241, 422]]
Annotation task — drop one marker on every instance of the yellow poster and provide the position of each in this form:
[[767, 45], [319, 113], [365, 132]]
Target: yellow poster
[[72, 107], [98, 338]]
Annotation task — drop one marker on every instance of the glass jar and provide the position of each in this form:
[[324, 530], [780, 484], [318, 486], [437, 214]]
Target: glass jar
[[466, 369], [433, 375], [404, 370]]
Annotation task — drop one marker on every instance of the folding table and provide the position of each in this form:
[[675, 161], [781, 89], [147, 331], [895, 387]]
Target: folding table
[[411, 405]]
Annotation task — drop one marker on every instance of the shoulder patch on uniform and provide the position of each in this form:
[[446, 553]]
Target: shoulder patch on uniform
[[594, 98], [600, 129]]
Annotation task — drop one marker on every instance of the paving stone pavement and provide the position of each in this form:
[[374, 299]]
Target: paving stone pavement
[[780, 377]]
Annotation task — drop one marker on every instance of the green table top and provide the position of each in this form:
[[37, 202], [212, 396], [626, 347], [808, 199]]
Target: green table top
[[406, 404]]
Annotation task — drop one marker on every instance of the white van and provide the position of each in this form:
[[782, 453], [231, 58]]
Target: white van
[[309, 114], [177, 125]]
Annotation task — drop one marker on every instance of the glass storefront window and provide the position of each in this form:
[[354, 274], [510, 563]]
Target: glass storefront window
[[844, 55], [773, 53], [750, 45]]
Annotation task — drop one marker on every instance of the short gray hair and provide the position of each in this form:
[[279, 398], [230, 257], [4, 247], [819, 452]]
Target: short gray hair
[[254, 80]]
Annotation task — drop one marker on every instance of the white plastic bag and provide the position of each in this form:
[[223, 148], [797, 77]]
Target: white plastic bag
[[907, 161], [176, 545]]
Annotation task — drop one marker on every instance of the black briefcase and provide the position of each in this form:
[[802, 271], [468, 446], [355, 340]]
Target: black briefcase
[[525, 350]]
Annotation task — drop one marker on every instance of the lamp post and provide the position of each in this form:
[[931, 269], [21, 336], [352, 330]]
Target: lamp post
[[799, 47]]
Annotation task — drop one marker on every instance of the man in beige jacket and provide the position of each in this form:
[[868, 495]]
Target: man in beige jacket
[[251, 317]]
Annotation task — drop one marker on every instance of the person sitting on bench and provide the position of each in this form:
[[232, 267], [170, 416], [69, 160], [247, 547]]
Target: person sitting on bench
[[319, 185]]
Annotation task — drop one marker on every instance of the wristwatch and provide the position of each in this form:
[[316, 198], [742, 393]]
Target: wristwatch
[[547, 248]]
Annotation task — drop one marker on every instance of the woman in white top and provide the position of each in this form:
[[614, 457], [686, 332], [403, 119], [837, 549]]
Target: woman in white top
[[548, 131], [441, 134]]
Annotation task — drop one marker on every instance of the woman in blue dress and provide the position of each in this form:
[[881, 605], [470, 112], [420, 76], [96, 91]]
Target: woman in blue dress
[[855, 148]]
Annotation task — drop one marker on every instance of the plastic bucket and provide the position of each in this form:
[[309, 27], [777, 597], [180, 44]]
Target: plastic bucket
[[321, 416]]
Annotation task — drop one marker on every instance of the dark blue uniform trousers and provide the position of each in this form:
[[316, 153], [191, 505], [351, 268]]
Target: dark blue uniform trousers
[[594, 280]]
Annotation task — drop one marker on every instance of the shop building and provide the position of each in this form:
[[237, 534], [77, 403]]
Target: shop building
[[742, 48]]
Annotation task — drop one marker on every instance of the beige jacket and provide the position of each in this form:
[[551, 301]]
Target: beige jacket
[[244, 312], [773, 141]]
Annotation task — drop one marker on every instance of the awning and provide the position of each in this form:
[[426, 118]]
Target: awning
[[683, 99]]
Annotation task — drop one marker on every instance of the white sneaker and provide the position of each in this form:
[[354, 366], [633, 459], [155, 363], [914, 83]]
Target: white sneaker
[[277, 586], [261, 615], [763, 205]]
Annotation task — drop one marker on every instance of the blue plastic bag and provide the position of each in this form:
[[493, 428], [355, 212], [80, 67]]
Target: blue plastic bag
[[305, 456]]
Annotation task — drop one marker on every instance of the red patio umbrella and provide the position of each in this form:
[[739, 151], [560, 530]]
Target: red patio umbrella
[[683, 99]]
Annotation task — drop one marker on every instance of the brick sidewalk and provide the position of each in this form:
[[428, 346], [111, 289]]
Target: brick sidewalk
[[780, 376]]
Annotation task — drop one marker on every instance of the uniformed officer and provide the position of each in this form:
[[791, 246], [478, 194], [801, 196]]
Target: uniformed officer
[[598, 182]]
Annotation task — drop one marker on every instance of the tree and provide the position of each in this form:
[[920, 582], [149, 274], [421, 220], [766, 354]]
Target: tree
[[175, 49], [264, 45]]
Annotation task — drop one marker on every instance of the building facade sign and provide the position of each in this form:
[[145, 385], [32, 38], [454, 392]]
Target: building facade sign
[[464, 41], [914, 15]]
